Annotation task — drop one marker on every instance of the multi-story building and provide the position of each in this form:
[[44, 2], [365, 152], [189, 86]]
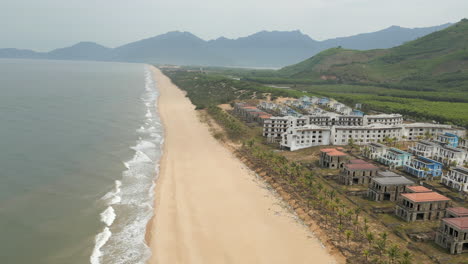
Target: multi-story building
[[453, 234], [424, 148], [448, 139], [421, 206], [332, 158], [422, 167], [394, 157], [384, 119], [387, 188], [342, 135], [416, 131], [451, 156], [305, 137], [374, 150], [275, 127], [357, 172], [456, 178]]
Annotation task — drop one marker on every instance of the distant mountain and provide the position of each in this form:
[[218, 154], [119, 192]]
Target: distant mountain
[[438, 60], [81, 51], [262, 49], [383, 39]]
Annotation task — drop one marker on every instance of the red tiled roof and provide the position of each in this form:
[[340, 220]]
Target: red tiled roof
[[265, 116], [340, 148], [333, 152], [327, 149], [425, 197], [336, 153], [418, 189], [462, 211], [360, 166], [460, 222], [357, 161]]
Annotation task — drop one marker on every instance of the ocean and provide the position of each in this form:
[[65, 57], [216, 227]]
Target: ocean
[[80, 144]]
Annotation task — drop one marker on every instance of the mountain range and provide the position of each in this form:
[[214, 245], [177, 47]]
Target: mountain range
[[262, 49]]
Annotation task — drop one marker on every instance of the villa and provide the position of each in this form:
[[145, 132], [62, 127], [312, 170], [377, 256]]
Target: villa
[[421, 206], [456, 178], [450, 155], [422, 167], [357, 172], [394, 157], [448, 139], [374, 150], [332, 158], [424, 148], [453, 234], [387, 188]]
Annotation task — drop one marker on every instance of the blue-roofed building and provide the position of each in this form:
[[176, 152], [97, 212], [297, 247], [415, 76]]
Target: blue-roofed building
[[394, 157], [422, 167], [448, 139], [323, 101], [357, 113]]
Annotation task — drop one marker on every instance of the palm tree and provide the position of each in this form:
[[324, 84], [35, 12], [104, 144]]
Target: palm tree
[[366, 254], [370, 239], [406, 258], [348, 234], [393, 253]]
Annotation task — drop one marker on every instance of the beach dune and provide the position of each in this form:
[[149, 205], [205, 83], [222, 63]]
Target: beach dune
[[210, 208]]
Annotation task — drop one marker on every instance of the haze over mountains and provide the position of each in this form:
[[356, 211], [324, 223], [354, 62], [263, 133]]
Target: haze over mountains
[[262, 49]]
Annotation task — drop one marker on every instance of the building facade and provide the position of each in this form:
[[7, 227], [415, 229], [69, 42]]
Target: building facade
[[453, 235], [332, 158], [394, 157], [422, 167], [387, 188], [456, 178], [421, 206], [357, 173]]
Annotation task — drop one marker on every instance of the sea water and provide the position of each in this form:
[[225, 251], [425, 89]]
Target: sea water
[[80, 144]]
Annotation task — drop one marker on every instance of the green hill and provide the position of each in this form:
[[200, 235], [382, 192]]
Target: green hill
[[438, 60]]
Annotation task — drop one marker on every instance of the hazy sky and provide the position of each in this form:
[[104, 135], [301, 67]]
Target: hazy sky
[[48, 24]]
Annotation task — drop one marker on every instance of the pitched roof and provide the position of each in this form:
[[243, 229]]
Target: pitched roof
[[418, 189], [336, 153], [425, 197], [460, 211], [360, 166], [327, 149], [387, 174], [460, 222], [357, 161]]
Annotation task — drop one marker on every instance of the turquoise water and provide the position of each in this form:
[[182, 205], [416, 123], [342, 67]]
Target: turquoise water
[[79, 146]]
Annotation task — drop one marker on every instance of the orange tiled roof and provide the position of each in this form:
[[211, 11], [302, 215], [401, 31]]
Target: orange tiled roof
[[419, 189], [336, 153], [460, 222], [361, 166], [425, 197], [459, 211], [327, 149], [357, 161]]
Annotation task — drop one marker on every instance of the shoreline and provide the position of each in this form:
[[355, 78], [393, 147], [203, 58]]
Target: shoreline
[[210, 208]]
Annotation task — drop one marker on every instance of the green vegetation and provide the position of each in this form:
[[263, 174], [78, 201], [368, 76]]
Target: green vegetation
[[425, 79], [205, 90], [234, 128]]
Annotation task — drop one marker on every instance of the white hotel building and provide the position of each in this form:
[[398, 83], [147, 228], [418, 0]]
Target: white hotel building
[[298, 132]]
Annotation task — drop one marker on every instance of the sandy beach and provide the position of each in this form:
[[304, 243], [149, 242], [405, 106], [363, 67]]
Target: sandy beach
[[210, 208]]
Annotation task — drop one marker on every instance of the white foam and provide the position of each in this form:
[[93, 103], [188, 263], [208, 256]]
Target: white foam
[[108, 216], [101, 239], [134, 193]]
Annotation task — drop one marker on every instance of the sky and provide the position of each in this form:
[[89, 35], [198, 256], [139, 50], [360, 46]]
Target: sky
[[43, 25]]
